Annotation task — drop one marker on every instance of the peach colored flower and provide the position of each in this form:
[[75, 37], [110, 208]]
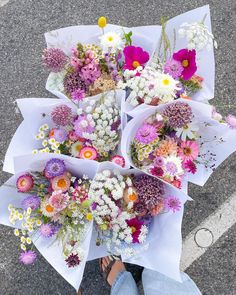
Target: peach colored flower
[[166, 148]]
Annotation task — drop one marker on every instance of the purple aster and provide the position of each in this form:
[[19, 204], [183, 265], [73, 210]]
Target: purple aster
[[62, 115], [94, 206], [72, 81], [179, 114], [28, 257], [78, 95], [231, 121], [174, 68], [32, 202], [172, 203], [81, 125], [47, 230], [60, 135], [54, 167], [150, 192], [73, 260], [171, 168], [54, 59], [146, 133], [158, 161]]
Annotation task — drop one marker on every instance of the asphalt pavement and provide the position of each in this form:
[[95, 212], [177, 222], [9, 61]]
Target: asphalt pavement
[[22, 27]]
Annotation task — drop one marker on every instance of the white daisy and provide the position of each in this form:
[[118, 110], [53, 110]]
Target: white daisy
[[188, 131], [111, 41]]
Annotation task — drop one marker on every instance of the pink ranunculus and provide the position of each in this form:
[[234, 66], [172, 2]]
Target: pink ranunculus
[[188, 61], [189, 150], [134, 57]]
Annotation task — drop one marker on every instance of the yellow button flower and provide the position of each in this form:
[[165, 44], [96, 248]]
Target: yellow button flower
[[102, 22], [89, 216]]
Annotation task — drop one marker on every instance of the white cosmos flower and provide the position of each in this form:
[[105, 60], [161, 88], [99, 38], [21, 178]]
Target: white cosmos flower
[[111, 41], [188, 131]]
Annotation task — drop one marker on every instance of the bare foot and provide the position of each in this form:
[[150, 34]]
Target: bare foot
[[117, 267]]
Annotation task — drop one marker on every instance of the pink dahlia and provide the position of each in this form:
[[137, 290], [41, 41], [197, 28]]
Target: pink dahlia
[[28, 257], [231, 121], [190, 166], [134, 57], [173, 204], [25, 183], [189, 150], [146, 133], [135, 224], [54, 59], [188, 61], [62, 115]]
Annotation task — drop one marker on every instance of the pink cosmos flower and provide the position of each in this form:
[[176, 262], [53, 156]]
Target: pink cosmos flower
[[231, 121], [135, 225], [188, 61], [189, 150], [134, 57]]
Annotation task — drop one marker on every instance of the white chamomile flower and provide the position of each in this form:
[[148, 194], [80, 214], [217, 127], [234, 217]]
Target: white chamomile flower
[[16, 232], [23, 247], [34, 152], [52, 140], [111, 41], [23, 240], [45, 142]]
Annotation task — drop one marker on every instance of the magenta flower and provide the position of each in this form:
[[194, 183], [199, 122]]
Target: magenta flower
[[157, 171], [28, 257], [146, 133], [136, 225], [25, 183], [231, 121], [190, 166], [73, 260], [188, 61], [134, 57], [173, 204]]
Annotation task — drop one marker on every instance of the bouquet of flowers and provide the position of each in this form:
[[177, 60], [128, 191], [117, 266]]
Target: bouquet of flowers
[[90, 68], [173, 73], [92, 131], [177, 141]]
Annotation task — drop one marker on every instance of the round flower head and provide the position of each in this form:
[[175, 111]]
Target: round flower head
[[73, 260], [173, 204], [119, 160], [150, 191], [89, 153], [174, 68], [78, 95], [179, 114], [110, 42], [76, 148], [47, 209], [90, 73], [146, 133], [187, 58], [135, 57], [32, 202], [54, 59], [81, 125], [231, 121], [190, 166], [189, 150], [62, 115], [72, 82], [28, 257], [54, 167], [60, 135], [102, 22], [25, 183], [173, 167], [61, 182], [135, 224], [47, 230]]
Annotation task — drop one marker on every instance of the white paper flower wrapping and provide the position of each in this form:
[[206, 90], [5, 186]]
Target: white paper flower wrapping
[[32, 109], [66, 38], [218, 140], [205, 58], [51, 251]]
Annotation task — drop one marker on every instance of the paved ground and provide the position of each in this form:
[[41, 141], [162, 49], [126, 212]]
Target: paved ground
[[22, 24]]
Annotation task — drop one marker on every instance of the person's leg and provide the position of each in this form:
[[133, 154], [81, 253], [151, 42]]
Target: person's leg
[[120, 280], [156, 283]]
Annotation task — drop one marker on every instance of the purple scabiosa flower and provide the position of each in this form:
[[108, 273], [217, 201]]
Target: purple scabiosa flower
[[47, 230], [93, 206], [179, 114], [54, 59], [78, 95], [32, 202], [171, 168], [146, 133], [174, 68], [81, 125], [172, 203], [90, 72], [54, 167], [72, 81], [28, 257], [150, 192], [231, 121], [73, 260], [62, 115], [60, 135]]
